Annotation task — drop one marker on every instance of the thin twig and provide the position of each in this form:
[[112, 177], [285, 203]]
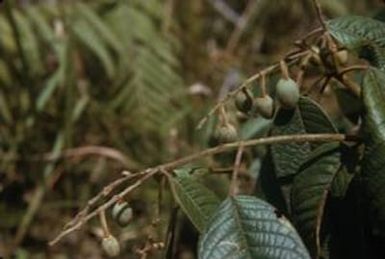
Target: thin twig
[[103, 223], [320, 16], [148, 173], [241, 26], [237, 164], [104, 193], [353, 68], [108, 152], [105, 206], [290, 59]]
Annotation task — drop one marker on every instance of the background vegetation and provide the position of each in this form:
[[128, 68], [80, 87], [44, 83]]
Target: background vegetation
[[88, 88]]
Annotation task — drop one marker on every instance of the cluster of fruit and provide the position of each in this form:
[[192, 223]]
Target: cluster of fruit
[[287, 94]]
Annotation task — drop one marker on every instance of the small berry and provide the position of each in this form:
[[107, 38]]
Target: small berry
[[111, 246], [226, 134], [243, 102], [287, 93], [122, 213], [265, 106], [342, 57]]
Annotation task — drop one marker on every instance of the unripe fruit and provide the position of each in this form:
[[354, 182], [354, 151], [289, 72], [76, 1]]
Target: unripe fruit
[[122, 213], [342, 56], [287, 93], [111, 246], [226, 134], [243, 102], [265, 106]]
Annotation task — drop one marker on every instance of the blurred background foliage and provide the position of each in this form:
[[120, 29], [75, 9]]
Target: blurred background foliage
[[88, 88]]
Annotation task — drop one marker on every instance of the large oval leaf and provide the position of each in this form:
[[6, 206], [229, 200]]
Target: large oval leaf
[[373, 165], [247, 227], [309, 192], [308, 117], [364, 35], [196, 201]]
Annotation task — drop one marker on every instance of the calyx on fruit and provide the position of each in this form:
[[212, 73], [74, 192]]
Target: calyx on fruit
[[265, 106], [287, 93], [243, 101], [122, 213], [111, 246], [226, 133]]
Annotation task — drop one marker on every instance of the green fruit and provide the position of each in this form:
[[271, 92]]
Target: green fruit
[[265, 106], [226, 134], [122, 213], [243, 102], [287, 93], [342, 57], [111, 246]]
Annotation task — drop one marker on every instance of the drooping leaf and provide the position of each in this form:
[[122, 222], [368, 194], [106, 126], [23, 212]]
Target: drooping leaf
[[373, 164], [247, 227], [310, 190], [364, 35], [197, 201], [308, 117]]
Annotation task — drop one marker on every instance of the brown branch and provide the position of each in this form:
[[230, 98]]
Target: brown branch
[[108, 152], [320, 16], [105, 206], [150, 172], [241, 25], [237, 164], [352, 68]]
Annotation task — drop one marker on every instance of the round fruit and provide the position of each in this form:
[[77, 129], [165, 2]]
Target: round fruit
[[111, 246], [287, 93], [265, 106], [122, 213], [243, 102], [342, 56], [226, 134]]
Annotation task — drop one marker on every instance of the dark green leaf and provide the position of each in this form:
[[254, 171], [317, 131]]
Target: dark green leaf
[[309, 192], [308, 117], [364, 35], [314, 117], [196, 201], [247, 227], [373, 165]]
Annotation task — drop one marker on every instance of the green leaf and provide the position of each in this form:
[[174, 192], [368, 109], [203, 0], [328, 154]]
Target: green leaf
[[308, 117], [310, 190], [247, 227], [99, 26], [373, 164], [197, 202], [363, 35], [314, 117], [93, 42]]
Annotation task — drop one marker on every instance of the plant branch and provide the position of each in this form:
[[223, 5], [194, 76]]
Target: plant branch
[[290, 59], [237, 164], [104, 206], [320, 16], [76, 223]]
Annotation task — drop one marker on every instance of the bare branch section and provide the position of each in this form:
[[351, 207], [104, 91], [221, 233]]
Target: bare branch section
[[319, 14], [83, 216]]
